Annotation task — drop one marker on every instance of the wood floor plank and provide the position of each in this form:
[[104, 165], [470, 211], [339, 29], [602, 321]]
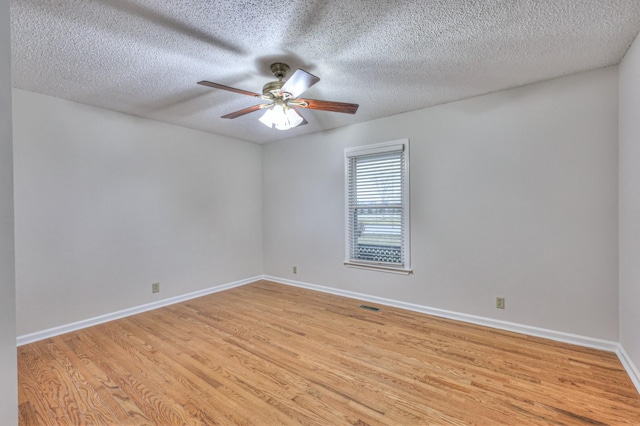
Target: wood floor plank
[[196, 369], [113, 397], [328, 379], [266, 353]]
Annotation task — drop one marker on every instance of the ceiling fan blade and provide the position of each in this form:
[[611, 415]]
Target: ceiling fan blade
[[230, 89], [242, 112], [299, 82], [304, 120], [329, 106]]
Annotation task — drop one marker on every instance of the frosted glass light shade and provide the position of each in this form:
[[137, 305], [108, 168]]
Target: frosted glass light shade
[[281, 117]]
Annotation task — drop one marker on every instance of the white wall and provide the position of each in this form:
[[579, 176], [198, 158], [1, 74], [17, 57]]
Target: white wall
[[107, 204], [8, 370], [629, 158], [513, 194]]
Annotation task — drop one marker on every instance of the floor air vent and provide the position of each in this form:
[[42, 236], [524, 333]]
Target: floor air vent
[[369, 308]]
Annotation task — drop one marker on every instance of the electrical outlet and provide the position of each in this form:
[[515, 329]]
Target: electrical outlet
[[500, 302], [295, 269], [155, 288]]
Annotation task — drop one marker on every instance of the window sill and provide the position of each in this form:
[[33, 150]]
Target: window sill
[[380, 268]]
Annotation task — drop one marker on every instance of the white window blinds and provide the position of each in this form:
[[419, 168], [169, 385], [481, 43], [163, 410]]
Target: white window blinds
[[377, 206]]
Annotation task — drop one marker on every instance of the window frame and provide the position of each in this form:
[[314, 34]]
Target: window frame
[[402, 146]]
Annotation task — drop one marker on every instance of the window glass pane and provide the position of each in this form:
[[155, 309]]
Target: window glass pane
[[378, 236]]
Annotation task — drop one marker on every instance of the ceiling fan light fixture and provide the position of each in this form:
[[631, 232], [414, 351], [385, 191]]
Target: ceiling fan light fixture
[[281, 117]]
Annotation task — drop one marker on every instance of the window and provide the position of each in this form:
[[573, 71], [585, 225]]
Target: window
[[377, 206]]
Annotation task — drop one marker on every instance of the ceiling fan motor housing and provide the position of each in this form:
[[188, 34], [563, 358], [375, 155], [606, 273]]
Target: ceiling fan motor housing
[[272, 87]]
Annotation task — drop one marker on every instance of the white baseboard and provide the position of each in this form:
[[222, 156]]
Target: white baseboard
[[55, 331], [628, 365], [489, 322], [559, 336]]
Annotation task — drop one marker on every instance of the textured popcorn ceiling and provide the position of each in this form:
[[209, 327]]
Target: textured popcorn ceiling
[[144, 57]]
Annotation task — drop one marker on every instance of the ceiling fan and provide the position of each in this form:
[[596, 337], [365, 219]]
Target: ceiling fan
[[282, 99]]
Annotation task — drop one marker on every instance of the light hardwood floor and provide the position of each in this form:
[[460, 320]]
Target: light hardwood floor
[[268, 354]]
